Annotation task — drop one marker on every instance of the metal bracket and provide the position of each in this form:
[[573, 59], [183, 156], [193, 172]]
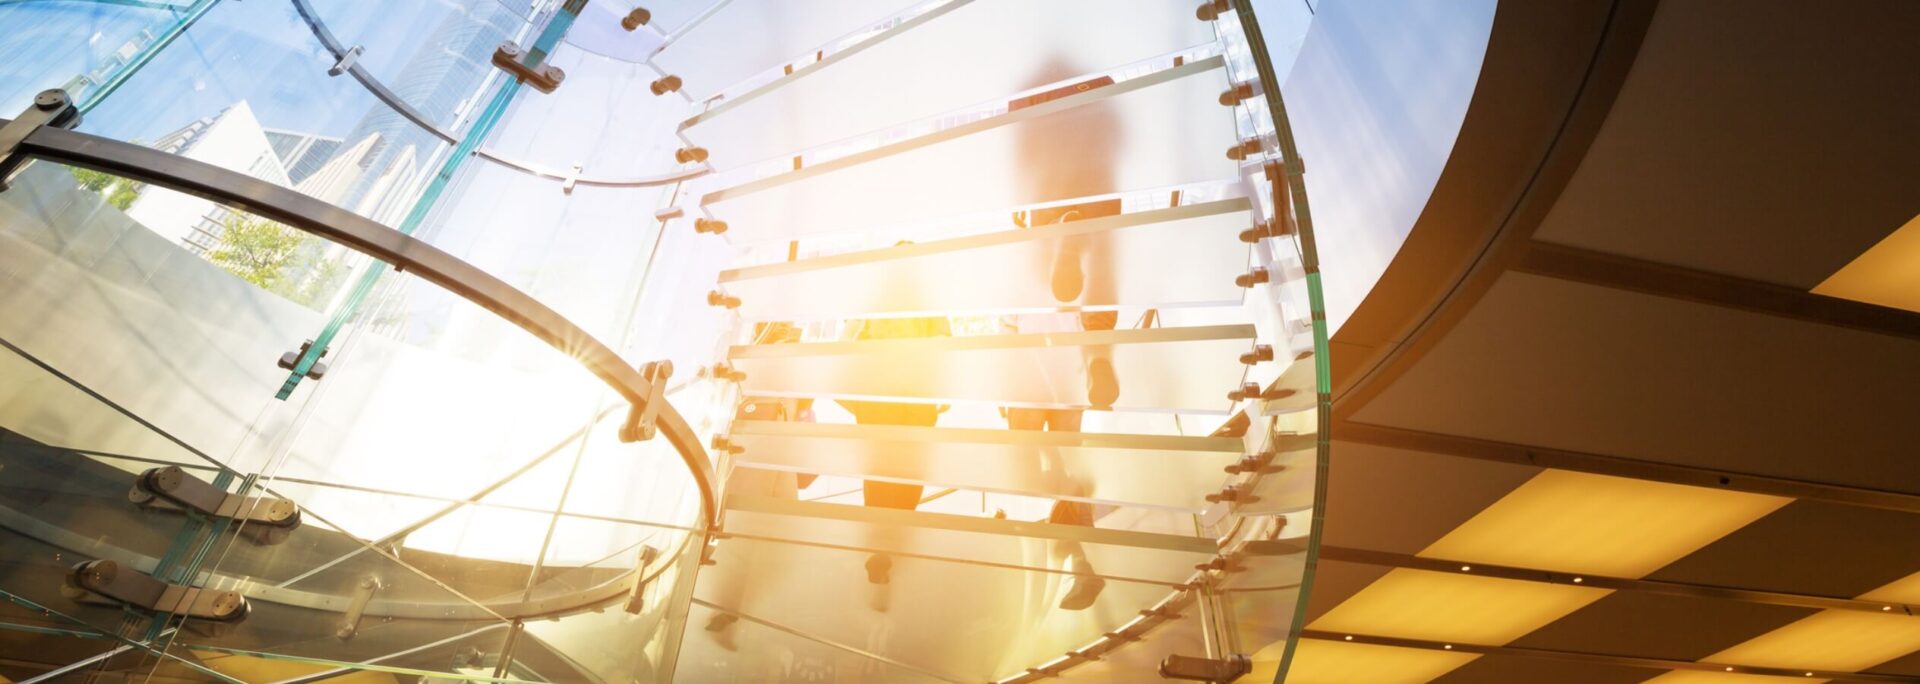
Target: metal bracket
[[1240, 91], [722, 299], [725, 371], [357, 606], [1261, 352], [640, 421], [52, 107], [1250, 390], [1261, 463], [105, 581], [291, 359], [267, 520], [543, 77], [347, 60], [1246, 148], [636, 597], [636, 19], [1232, 493], [1226, 669]]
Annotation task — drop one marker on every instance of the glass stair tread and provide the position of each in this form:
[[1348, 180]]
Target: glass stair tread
[[1156, 130], [1189, 369], [1129, 470], [745, 37], [973, 52], [1014, 269]]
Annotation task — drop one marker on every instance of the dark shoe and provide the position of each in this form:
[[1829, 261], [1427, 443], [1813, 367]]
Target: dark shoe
[[720, 626], [880, 568], [1103, 387]]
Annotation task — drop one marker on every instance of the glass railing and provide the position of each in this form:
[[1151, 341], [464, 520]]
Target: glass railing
[[86, 48], [470, 508], [456, 478]]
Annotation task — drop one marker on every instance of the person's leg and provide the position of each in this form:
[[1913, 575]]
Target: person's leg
[[1103, 386], [1082, 587], [890, 494]]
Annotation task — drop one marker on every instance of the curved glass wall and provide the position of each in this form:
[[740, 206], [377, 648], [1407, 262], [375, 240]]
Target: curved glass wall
[[1011, 370]]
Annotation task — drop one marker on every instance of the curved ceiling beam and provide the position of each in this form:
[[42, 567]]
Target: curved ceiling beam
[[406, 253], [1551, 73]]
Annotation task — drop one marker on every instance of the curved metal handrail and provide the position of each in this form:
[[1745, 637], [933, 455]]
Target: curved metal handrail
[[542, 171], [406, 253], [380, 91], [341, 53], [612, 588]]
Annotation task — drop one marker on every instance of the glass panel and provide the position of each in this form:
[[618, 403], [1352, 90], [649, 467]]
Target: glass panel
[[603, 120], [77, 46], [583, 253], [599, 30], [1188, 369], [599, 626], [246, 88], [184, 341], [63, 505], [976, 52], [732, 649], [668, 15], [749, 36], [427, 393], [1149, 132], [1148, 470], [966, 622], [435, 56], [1149, 557], [1018, 269], [302, 591]]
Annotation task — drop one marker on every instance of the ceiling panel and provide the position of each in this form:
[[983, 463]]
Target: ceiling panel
[[1659, 626], [1497, 669], [1563, 365], [1884, 274], [1337, 662], [1449, 607], [1613, 526], [1761, 153], [1398, 500], [1808, 547]]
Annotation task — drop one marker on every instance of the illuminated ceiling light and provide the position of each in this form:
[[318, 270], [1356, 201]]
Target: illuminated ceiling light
[[1614, 526], [1318, 661], [1884, 274], [1453, 608]]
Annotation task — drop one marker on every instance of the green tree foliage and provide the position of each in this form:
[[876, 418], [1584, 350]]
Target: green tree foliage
[[120, 192], [277, 259]]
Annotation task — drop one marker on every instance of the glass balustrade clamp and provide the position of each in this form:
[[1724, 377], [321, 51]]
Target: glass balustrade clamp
[[265, 519], [530, 69], [346, 61], [51, 107], [107, 582]]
